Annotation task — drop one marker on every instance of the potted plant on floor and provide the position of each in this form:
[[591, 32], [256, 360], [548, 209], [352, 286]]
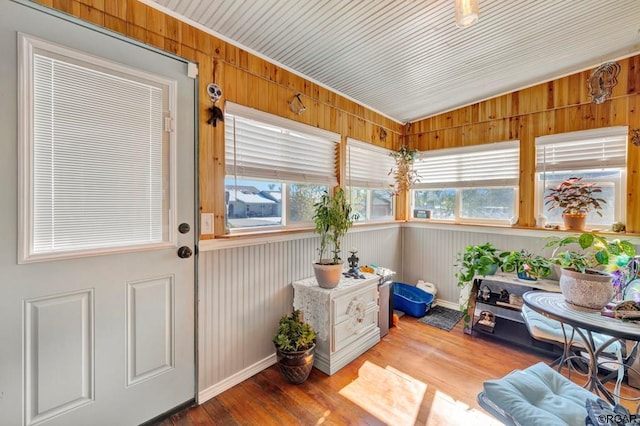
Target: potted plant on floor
[[591, 272], [576, 198], [295, 343], [475, 260], [332, 219]]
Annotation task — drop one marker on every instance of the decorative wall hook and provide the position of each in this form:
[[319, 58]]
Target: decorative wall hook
[[602, 81], [635, 137], [296, 105]]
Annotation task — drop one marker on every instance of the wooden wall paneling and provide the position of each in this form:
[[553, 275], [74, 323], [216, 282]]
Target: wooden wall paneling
[[526, 194], [71, 7], [93, 12], [538, 98], [115, 24], [137, 13], [229, 84], [561, 92], [543, 123], [118, 9], [574, 86], [206, 140], [633, 168], [585, 95], [514, 128], [633, 75], [588, 116]]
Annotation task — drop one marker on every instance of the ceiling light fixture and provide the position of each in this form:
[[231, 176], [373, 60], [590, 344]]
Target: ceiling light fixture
[[466, 12]]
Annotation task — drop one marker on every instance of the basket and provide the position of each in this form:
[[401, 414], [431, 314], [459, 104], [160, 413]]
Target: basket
[[411, 300]]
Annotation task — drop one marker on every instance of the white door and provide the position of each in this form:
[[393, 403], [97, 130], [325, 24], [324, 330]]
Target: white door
[[103, 335]]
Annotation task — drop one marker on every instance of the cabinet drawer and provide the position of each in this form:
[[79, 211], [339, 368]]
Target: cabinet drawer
[[351, 329], [343, 305]]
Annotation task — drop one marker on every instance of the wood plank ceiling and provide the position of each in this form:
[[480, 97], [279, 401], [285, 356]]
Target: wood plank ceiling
[[407, 59]]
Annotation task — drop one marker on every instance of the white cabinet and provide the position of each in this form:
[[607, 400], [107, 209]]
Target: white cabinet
[[345, 318]]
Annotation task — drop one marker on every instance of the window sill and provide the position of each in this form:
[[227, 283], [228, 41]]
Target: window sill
[[512, 230], [273, 236]]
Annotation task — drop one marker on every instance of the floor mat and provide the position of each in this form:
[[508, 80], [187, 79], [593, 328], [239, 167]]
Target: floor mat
[[442, 317]]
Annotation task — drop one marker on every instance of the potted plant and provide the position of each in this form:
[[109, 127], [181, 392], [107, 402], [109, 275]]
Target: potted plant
[[295, 343], [526, 265], [477, 260], [403, 173], [589, 273], [576, 199], [332, 219]]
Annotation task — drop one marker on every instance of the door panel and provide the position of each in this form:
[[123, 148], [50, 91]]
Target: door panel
[[106, 339]]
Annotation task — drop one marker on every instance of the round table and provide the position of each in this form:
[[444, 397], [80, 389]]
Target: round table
[[585, 322]]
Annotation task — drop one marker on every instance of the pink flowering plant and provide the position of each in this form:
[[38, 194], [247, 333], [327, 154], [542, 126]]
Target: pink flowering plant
[[524, 261]]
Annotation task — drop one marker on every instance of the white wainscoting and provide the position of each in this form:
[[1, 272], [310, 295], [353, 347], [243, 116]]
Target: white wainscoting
[[244, 290], [429, 252]]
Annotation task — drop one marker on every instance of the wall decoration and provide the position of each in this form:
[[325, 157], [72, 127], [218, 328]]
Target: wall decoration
[[215, 113], [635, 137], [602, 81]]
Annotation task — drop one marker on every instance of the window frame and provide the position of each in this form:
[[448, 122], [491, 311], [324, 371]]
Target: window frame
[[459, 186], [28, 47], [284, 125], [581, 167]]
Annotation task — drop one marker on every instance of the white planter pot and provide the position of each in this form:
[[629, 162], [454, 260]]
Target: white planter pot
[[328, 276], [592, 290]]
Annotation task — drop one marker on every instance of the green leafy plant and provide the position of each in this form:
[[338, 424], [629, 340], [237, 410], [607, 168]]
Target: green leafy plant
[[593, 251], [575, 197], [293, 334], [403, 173], [475, 260], [523, 261], [332, 219]]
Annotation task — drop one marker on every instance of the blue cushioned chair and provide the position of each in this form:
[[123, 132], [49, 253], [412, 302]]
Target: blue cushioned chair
[[535, 396]]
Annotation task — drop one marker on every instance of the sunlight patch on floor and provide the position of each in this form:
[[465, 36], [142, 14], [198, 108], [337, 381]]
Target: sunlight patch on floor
[[388, 394], [445, 410]]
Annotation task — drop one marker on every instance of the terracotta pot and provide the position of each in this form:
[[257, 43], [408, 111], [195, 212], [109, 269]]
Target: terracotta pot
[[296, 366], [574, 222], [328, 276], [592, 290]]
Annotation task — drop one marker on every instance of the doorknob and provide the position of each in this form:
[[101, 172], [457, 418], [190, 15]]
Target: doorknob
[[184, 252]]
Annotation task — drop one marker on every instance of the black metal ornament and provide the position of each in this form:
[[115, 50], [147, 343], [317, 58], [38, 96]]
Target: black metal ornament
[[215, 114]]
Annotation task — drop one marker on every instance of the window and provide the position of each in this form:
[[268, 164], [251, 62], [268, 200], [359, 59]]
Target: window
[[94, 154], [598, 155], [471, 184], [369, 182], [276, 169]]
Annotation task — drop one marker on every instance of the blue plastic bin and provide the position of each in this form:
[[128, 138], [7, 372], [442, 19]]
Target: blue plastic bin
[[411, 300]]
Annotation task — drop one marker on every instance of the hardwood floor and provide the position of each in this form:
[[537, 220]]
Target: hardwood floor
[[417, 375]]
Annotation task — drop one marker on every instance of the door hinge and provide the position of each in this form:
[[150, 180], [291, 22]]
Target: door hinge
[[168, 124]]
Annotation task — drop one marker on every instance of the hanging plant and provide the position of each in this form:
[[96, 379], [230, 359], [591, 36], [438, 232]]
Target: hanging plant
[[403, 173]]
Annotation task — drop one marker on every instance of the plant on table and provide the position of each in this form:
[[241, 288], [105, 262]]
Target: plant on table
[[475, 260], [594, 272], [594, 251], [332, 219], [526, 264]]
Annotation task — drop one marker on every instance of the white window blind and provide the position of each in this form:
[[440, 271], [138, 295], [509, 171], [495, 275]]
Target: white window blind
[[261, 145], [488, 165], [584, 150], [368, 165], [98, 155]]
